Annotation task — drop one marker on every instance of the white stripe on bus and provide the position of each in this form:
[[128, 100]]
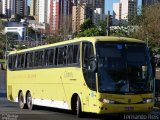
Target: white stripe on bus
[[49, 103]]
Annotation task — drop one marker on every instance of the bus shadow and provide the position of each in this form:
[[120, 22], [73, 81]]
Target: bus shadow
[[84, 115]]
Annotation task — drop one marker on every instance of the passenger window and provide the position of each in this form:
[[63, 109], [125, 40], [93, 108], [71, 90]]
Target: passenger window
[[46, 57], [10, 62], [76, 54], [20, 63], [29, 60], [70, 54], [51, 57], [38, 58], [35, 59], [14, 61], [62, 55]]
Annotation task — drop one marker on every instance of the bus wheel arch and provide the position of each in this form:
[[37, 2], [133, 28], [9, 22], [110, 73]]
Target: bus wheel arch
[[76, 104], [21, 100], [29, 101]]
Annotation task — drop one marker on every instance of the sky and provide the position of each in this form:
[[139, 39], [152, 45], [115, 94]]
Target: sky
[[109, 5]]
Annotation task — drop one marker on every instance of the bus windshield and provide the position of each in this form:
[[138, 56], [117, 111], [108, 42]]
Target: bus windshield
[[124, 68]]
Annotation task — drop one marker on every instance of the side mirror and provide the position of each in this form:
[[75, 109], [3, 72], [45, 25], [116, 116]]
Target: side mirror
[[2, 66], [93, 64]]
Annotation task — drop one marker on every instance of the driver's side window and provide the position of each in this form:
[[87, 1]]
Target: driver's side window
[[87, 54], [89, 76]]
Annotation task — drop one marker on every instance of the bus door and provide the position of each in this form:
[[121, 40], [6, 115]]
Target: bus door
[[89, 75]]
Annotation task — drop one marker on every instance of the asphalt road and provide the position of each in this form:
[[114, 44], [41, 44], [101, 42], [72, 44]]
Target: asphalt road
[[2, 81], [11, 111]]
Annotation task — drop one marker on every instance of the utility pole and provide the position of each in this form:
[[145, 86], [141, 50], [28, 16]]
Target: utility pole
[[108, 23]]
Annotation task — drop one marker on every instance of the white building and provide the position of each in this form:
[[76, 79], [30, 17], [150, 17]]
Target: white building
[[10, 7], [123, 11], [98, 15], [34, 8], [116, 13], [43, 11]]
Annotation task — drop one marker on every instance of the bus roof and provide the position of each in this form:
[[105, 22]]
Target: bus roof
[[91, 39]]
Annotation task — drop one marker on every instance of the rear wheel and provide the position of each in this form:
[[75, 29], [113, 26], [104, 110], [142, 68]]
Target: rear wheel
[[29, 101], [21, 100]]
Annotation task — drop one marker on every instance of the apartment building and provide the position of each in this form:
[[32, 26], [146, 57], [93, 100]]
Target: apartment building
[[87, 9], [60, 15], [21, 7], [123, 11], [34, 8], [12, 7]]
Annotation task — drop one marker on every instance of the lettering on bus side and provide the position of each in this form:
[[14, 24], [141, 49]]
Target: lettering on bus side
[[68, 74]]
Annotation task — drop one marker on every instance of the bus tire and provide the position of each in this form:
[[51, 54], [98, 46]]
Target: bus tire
[[29, 101], [78, 107], [21, 103]]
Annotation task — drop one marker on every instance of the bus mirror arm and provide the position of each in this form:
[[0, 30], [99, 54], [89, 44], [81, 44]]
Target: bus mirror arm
[[93, 64]]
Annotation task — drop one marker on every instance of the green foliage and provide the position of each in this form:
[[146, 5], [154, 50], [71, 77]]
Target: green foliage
[[18, 17], [86, 25], [102, 25], [94, 31], [1, 25], [53, 39], [2, 45], [31, 30], [88, 28]]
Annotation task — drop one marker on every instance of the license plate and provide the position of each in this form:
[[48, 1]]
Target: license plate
[[128, 108]]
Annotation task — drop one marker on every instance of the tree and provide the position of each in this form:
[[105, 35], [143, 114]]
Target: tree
[[17, 18], [88, 28], [94, 31], [2, 45], [148, 22], [86, 25]]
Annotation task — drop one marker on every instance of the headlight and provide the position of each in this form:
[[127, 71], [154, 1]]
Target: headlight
[[147, 100], [106, 101]]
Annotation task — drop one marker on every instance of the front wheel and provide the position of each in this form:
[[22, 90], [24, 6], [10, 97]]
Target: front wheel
[[78, 107], [29, 101]]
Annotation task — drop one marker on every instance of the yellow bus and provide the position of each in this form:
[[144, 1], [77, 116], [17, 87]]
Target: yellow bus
[[89, 74]]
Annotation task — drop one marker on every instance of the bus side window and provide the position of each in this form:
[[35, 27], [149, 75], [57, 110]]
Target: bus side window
[[10, 62], [70, 54], [51, 57], [56, 56], [40, 58], [46, 57], [36, 59], [62, 56], [88, 74], [14, 61], [29, 60], [76, 54], [20, 63]]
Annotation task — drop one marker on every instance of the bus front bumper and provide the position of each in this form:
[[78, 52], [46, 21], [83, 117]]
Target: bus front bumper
[[127, 108]]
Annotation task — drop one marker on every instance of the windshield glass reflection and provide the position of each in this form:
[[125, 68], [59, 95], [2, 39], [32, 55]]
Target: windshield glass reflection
[[124, 67]]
